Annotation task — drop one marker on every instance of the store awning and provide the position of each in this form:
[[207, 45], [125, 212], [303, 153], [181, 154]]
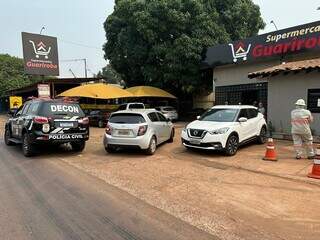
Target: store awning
[[147, 91], [98, 91], [306, 65]]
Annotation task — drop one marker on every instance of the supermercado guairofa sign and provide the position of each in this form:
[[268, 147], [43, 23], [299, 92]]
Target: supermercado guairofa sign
[[293, 40], [40, 54]]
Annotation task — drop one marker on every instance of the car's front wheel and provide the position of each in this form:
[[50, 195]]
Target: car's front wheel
[[262, 138], [171, 136], [78, 146], [232, 145], [27, 147]]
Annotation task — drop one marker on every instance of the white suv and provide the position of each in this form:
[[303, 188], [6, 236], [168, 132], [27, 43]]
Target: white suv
[[225, 128]]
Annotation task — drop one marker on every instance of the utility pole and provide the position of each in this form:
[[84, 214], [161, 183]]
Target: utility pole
[[70, 70], [85, 68]]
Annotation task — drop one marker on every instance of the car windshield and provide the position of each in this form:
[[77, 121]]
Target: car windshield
[[61, 109], [168, 109], [219, 115], [125, 118]]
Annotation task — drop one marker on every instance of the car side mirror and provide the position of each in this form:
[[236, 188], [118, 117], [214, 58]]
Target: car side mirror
[[243, 119], [12, 112], [198, 117]]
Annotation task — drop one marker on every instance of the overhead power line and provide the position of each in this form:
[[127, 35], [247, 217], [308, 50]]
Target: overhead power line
[[80, 44]]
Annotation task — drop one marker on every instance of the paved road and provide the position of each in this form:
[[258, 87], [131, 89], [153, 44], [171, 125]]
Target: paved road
[[44, 198]]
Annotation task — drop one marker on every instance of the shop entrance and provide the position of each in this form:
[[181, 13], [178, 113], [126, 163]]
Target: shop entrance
[[250, 97], [246, 94]]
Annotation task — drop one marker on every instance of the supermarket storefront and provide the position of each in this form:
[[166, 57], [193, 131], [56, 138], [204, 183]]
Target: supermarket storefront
[[275, 68]]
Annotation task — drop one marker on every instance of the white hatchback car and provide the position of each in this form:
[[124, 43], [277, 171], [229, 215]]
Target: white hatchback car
[[169, 112], [143, 129], [225, 128]]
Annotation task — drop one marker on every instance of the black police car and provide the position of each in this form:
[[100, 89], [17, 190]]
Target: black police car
[[44, 121]]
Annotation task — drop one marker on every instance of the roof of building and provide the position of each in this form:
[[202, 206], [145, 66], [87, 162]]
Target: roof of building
[[285, 68]]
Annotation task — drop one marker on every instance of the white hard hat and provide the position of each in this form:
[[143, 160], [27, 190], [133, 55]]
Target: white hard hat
[[301, 102]]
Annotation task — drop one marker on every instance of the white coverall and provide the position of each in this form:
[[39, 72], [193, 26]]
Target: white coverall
[[301, 132]]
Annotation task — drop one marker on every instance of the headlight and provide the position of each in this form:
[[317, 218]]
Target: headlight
[[220, 131], [46, 128]]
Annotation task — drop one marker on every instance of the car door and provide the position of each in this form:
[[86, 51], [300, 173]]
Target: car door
[[156, 125], [20, 121], [244, 127], [14, 122], [165, 126], [254, 122]]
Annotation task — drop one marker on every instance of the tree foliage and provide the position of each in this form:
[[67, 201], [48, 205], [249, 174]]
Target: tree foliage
[[12, 74], [111, 75], [162, 42]]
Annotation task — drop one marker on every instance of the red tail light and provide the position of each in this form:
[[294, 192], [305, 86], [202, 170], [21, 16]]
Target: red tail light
[[41, 120], [84, 121], [142, 130], [108, 130]]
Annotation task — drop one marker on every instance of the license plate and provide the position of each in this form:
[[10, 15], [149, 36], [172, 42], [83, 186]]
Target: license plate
[[123, 132], [195, 142], [67, 124]]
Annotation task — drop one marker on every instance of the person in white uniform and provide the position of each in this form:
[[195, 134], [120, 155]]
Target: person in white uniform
[[301, 132]]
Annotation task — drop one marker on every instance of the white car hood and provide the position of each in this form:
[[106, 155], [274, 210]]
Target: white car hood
[[209, 126]]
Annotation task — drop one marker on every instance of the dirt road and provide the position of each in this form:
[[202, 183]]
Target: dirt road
[[44, 198], [241, 197], [237, 198]]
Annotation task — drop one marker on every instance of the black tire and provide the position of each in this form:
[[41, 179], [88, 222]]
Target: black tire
[[101, 124], [28, 148], [262, 138], [110, 149], [78, 146], [7, 136], [152, 146], [171, 136], [232, 145]]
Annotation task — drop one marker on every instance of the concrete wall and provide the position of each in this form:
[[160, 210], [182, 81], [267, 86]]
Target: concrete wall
[[204, 102], [238, 73], [283, 92]]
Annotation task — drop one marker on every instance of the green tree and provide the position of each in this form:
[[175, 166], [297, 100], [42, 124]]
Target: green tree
[[111, 75], [12, 74], [162, 42]]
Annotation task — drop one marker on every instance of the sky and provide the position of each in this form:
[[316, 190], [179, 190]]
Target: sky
[[78, 25]]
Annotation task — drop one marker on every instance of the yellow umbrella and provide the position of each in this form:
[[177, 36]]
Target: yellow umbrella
[[147, 91], [98, 91]]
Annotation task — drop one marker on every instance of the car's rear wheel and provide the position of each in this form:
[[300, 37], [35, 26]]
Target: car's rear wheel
[[232, 145], [110, 149], [28, 148], [78, 146], [7, 136], [262, 138], [152, 146], [171, 136]]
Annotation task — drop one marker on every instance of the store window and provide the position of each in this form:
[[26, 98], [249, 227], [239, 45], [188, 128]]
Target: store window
[[314, 100]]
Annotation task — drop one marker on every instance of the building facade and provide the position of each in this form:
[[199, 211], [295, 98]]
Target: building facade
[[275, 69]]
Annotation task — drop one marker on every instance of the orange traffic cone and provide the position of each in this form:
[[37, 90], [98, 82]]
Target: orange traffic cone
[[316, 165], [270, 151]]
